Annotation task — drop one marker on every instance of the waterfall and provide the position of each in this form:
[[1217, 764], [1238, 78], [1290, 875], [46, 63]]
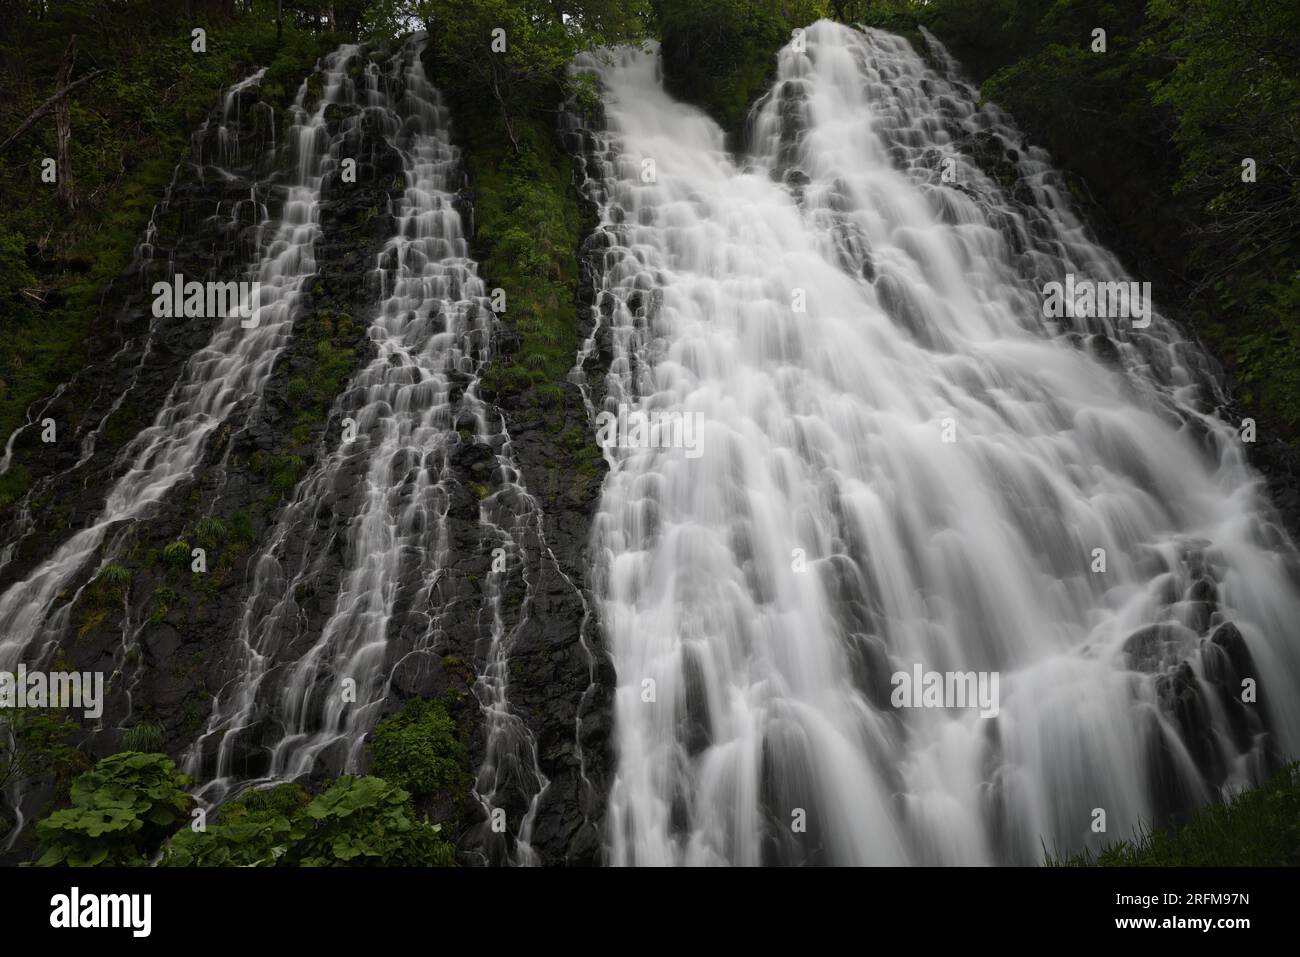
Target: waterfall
[[903, 466], [318, 646], [231, 369]]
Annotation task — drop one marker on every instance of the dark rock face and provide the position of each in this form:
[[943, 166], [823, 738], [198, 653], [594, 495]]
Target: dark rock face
[[561, 678]]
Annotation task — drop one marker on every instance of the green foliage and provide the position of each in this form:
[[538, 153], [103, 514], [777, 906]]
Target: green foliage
[[720, 54], [242, 532], [177, 554], [163, 599], [112, 583], [36, 744], [356, 822], [541, 40], [1256, 828], [254, 830], [367, 822], [419, 749], [210, 532], [145, 737], [121, 812], [283, 471], [130, 125]]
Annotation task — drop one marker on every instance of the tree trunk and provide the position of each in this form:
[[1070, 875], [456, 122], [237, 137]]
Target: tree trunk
[[63, 124]]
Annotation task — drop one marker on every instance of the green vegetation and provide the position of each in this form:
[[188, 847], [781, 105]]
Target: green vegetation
[[419, 749], [337, 353], [177, 554], [254, 830], [61, 245], [528, 221], [121, 812], [145, 737], [357, 822], [1257, 828], [721, 54], [283, 471], [366, 821], [111, 584], [36, 745], [210, 532]]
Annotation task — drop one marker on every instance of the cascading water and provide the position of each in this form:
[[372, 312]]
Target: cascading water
[[903, 464], [144, 269], [232, 367], [306, 687]]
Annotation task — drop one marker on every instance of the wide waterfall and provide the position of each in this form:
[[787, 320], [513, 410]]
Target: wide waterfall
[[904, 468]]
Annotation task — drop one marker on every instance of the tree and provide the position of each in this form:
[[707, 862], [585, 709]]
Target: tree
[[516, 53]]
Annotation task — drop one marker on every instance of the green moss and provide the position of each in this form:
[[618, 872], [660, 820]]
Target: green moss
[[163, 599], [242, 532], [282, 471], [14, 484], [528, 228]]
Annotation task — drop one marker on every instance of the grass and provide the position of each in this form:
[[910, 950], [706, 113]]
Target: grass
[[1256, 828]]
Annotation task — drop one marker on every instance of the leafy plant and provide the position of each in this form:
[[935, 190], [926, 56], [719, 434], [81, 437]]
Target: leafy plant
[[254, 830], [163, 598], [367, 821], [121, 812], [36, 743], [418, 749]]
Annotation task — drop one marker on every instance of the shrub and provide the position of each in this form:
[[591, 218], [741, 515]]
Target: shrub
[[177, 554], [121, 812], [255, 830], [112, 582], [367, 821], [418, 749], [210, 532], [146, 737]]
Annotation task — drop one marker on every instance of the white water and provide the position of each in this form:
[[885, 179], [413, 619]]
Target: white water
[[823, 432], [431, 333], [233, 367]]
